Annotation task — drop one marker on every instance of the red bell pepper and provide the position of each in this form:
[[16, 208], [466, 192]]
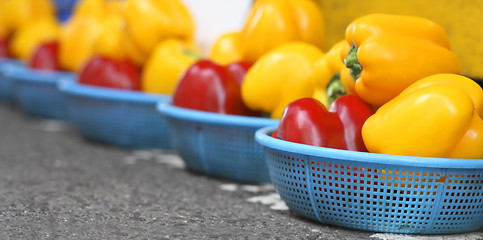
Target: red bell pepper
[[4, 47], [112, 73], [210, 87], [307, 121], [239, 70], [46, 57], [352, 112]]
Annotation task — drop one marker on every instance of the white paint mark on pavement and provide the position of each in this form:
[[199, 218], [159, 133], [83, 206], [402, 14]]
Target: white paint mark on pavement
[[171, 160], [258, 188], [144, 154], [167, 158], [229, 187], [272, 199], [388, 236], [248, 188], [53, 126]]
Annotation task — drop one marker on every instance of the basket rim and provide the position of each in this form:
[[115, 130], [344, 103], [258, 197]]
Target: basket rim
[[26, 74], [262, 137], [9, 64], [10, 60], [76, 89], [168, 109]]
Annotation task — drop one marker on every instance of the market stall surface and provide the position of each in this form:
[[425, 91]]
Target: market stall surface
[[54, 184]]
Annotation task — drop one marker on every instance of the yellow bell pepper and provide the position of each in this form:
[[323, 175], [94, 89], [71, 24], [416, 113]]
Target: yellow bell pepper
[[386, 53], [273, 22], [226, 49], [327, 81], [110, 40], [93, 8], [18, 13], [437, 116], [149, 22], [77, 40], [281, 76], [169, 61], [347, 80], [95, 28], [28, 37], [4, 29], [133, 51]]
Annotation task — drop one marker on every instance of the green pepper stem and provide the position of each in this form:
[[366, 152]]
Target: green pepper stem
[[334, 89], [194, 55], [352, 62]]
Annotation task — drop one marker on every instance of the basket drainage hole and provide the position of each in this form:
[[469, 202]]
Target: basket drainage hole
[[441, 179]]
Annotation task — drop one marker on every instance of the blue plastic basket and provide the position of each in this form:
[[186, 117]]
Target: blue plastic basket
[[6, 86], [36, 92], [121, 118], [376, 192], [218, 145]]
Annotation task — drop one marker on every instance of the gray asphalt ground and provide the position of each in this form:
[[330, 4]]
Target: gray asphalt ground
[[54, 184]]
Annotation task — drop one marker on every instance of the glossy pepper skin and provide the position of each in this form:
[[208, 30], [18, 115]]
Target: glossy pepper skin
[[4, 43], [387, 53], [210, 87], [274, 22], [226, 49], [281, 76], [149, 22], [167, 64], [307, 121], [111, 73], [437, 116], [46, 57], [239, 70], [328, 86]]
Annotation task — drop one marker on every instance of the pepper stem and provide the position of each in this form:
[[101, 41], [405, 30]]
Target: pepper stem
[[334, 89], [352, 62], [192, 54]]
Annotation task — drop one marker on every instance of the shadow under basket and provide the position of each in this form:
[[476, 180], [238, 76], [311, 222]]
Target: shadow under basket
[[37, 93], [121, 118], [376, 192], [218, 145]]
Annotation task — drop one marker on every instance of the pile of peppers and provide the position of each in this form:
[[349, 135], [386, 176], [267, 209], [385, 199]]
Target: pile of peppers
[[129, 44], [393, 86], [300, 31], [24, 24]]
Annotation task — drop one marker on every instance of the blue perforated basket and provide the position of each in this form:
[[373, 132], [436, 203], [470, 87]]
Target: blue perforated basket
[[376, 192], [36, 92], [116, 117], [218, 145], [6, 88]]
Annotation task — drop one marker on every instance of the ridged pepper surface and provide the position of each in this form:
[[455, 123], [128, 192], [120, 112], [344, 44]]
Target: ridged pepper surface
[[437, 116], [387, 53]]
